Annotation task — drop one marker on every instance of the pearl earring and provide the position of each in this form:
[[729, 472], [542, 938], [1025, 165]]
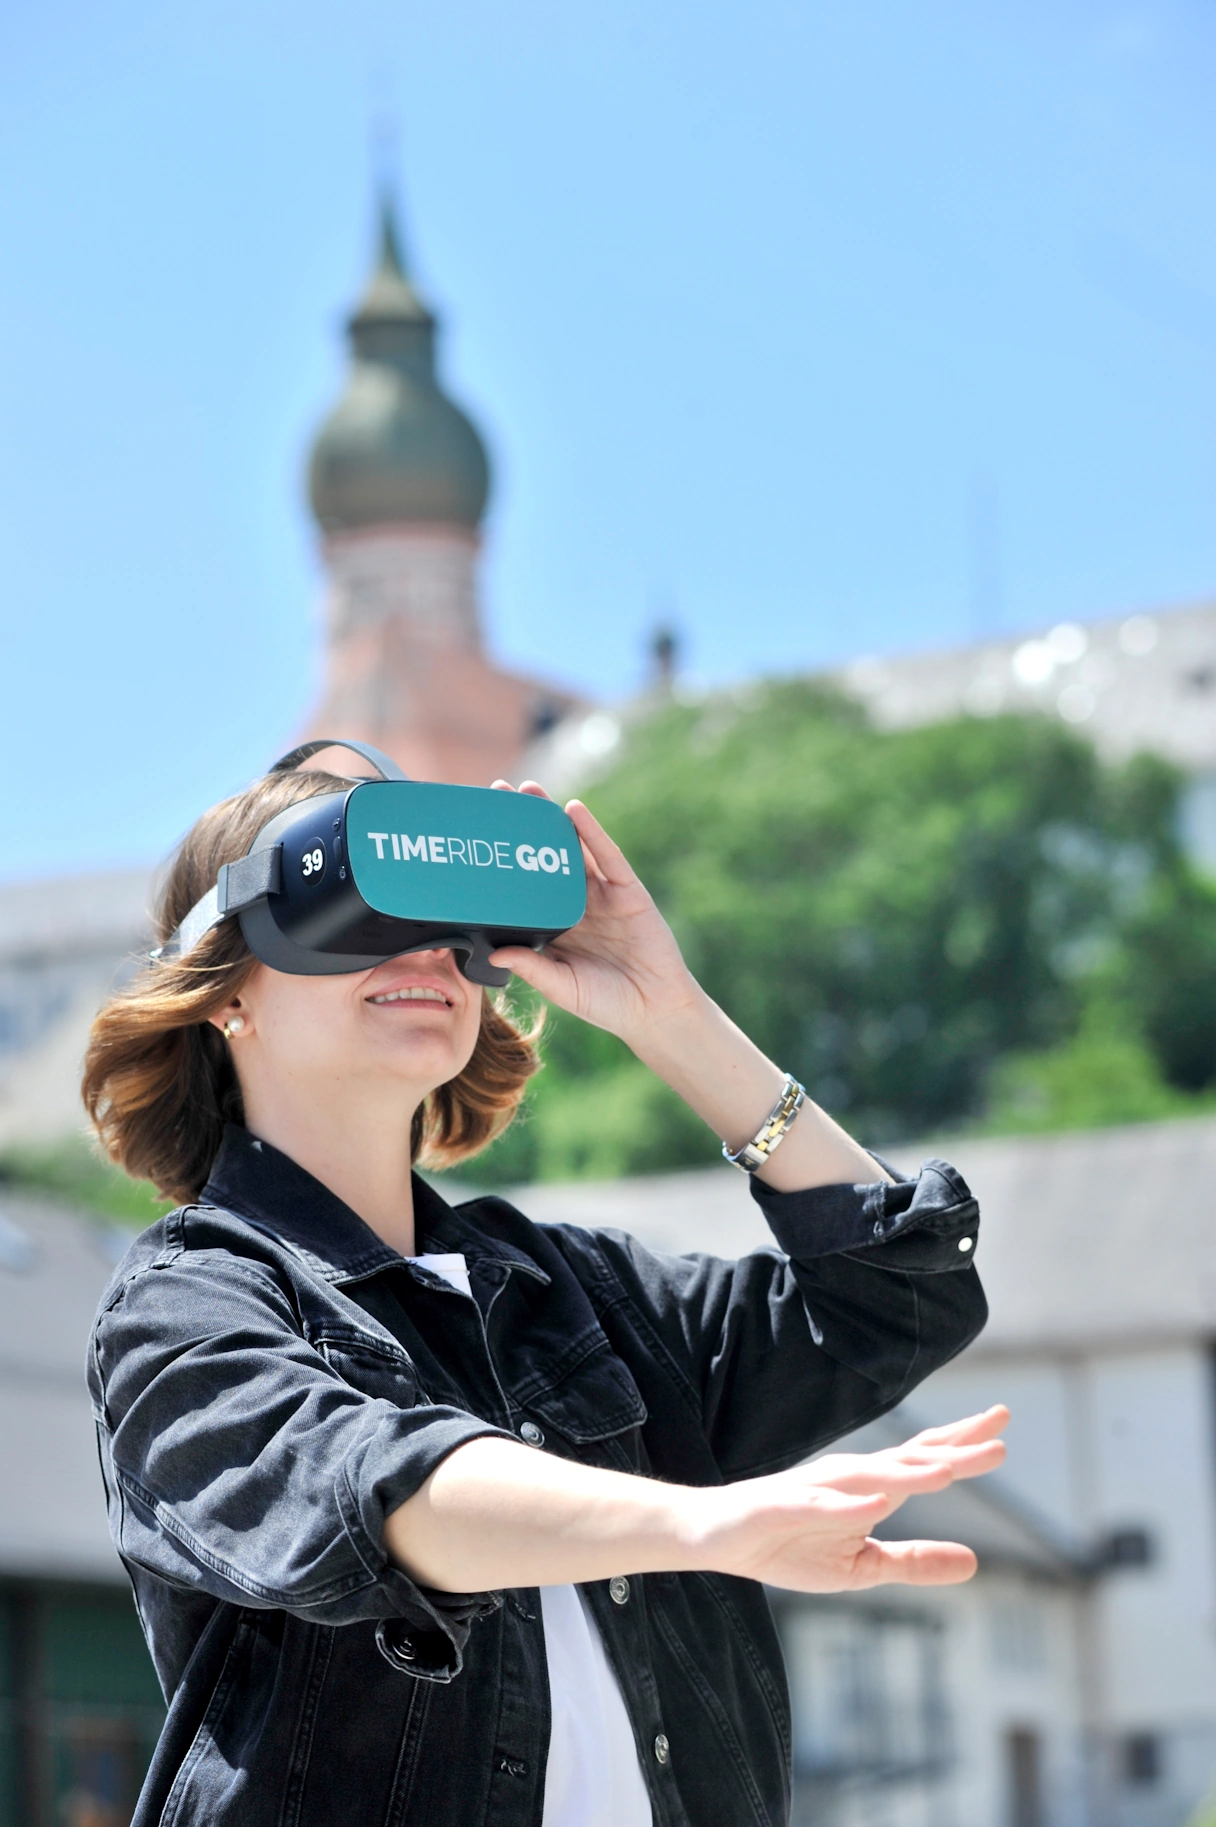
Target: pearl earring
[[234, 1025]]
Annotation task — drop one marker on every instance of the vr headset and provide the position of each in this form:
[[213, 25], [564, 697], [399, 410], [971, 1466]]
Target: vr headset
[[345, 881]]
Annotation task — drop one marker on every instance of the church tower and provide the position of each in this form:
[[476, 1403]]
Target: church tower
[[398, 482]]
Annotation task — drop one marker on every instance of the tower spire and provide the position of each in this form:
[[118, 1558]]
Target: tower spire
[[398, 481], [396, 451], [392, 259], [391, 295]]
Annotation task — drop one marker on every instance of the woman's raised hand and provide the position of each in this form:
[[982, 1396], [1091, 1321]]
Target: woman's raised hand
[[620, 967]]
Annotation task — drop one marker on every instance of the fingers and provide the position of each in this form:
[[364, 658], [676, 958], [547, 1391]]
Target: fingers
[[964, 1461], [901, 1478], [928, 1462], [975, 1461], [906, 1470], [836, 1557], [590, 863], [913, 1564], [608, 857], [525, 786], [967, 1432], [545, 975]]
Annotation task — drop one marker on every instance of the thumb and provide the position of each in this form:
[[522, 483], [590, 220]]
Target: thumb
[[542, 974]]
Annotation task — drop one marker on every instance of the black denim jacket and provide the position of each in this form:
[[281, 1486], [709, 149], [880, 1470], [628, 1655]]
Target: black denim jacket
[[270, 1381]]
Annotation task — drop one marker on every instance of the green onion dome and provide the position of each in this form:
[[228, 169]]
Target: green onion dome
[[395, 448]]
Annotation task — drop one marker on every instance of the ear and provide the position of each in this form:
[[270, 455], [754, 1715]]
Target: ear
[[232, 1020]]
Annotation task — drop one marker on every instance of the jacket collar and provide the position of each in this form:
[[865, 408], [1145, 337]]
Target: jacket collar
[[267, 1188]]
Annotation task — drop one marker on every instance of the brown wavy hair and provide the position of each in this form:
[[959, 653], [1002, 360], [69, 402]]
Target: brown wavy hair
[[159, 1083]]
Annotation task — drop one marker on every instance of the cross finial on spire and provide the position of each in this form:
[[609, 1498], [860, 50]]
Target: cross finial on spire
[[384, 157]]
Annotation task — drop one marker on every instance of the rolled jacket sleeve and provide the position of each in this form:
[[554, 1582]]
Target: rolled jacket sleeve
[[241, 1464], [886, 1272], [871, 1289], [926, 1223]]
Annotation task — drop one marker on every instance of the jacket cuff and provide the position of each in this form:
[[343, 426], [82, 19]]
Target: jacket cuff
[[426, 1630], [926, 1223]]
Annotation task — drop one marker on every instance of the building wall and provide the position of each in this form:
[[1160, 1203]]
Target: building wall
[[1017, 1691], [422, 576], [961, 1707], [405, 666], [1153, 1436], [63, 946], [1141, 682], [1116, 1448]]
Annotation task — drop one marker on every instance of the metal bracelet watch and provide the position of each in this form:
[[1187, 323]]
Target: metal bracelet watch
[[772, 1131]]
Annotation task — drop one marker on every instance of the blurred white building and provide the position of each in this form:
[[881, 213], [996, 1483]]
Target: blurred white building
[[64, 944], [1131, 683]]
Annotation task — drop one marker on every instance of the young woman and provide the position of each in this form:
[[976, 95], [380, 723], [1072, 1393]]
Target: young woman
[[437, 1516]]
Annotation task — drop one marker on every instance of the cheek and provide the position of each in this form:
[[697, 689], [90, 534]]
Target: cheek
[[470, 1028], [300, 1018]]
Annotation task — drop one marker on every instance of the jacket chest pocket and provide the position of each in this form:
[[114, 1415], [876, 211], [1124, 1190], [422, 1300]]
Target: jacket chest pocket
[[373, 1368], [595, 1403]]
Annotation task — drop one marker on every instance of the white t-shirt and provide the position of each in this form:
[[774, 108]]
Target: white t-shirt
[[593, 1777]]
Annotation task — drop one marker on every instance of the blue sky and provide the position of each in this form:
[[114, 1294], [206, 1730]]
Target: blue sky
[[820, 329]]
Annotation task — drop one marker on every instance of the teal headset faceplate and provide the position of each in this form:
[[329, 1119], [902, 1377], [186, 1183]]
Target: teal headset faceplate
[[462, 856]]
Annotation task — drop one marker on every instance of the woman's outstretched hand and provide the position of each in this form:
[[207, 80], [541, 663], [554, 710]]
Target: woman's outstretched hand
[[801, 1535], [498, 1514], [620, 967]]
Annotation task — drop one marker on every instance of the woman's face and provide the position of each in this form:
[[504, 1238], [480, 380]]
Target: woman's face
[[410, 1024]]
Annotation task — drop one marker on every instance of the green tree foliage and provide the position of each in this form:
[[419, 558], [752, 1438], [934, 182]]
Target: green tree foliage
[[74, 1172], [1101, 1075], [919, 924], [1171, 976]]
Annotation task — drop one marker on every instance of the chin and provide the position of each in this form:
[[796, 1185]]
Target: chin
[[430, 1057]]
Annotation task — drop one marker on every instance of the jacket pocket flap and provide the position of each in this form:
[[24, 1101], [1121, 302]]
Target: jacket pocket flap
[[369, 1364], [596, 1400]]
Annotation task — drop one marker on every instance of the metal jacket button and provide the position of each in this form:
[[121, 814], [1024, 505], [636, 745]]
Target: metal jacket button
[[531, 1433], [618, 1590], [395, 1644], [662, 1750]]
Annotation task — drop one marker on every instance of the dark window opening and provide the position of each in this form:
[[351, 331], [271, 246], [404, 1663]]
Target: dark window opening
[[1024, 1768], [1141, 1759], [1127, 1548], [97, 1772], [542, 718]]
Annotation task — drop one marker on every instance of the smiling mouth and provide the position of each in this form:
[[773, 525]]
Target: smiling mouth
[[413, 995]]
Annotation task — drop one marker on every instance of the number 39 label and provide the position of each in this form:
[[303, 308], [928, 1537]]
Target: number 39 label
[[312, 863]]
